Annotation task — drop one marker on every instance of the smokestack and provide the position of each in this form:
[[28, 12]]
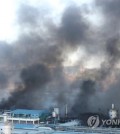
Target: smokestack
[[113, 106], [66, 110]]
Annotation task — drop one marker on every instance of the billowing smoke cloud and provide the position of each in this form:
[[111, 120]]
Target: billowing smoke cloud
[[109, 71], [110, 10], [38, 55], [106, 78], [34, 78], [34, 62], [3, 80], [87, 90], [73, 28]]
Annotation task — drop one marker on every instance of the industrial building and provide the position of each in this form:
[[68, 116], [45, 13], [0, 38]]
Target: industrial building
[[25, 116]]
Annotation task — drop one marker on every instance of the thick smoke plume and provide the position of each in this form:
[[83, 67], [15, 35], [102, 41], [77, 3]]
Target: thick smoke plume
[[32, 70], [73, 28], [33, 78], [87, 90], [38, 55]]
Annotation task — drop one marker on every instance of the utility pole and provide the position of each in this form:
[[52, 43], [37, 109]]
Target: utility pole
[[66, 110]]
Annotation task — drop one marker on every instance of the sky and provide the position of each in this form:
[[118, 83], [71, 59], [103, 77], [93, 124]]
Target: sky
[[10, 28], [8, 14]]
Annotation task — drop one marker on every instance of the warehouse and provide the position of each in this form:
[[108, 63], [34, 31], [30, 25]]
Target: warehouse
[[27, 116]]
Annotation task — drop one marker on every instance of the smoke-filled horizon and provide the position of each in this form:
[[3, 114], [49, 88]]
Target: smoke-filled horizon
[[48, 64]]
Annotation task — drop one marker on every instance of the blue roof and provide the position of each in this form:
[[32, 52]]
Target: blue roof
[[31, 112], [24, 126]]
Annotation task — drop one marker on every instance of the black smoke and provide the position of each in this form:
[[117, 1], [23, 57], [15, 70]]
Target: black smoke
[[35, 60], [33, 80], [73, 27], [37, 57], [35, 76], [3, 80], [82, 102]]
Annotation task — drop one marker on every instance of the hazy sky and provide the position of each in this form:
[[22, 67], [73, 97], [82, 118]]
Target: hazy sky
[[10, 29]]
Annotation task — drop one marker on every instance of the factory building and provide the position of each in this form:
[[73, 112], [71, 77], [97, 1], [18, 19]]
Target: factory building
[[25, 116]]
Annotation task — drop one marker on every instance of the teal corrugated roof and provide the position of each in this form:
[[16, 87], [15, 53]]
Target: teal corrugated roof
[[24, 126], [31, 112]]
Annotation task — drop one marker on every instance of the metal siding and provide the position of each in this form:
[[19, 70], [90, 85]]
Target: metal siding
[[33, 113]]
